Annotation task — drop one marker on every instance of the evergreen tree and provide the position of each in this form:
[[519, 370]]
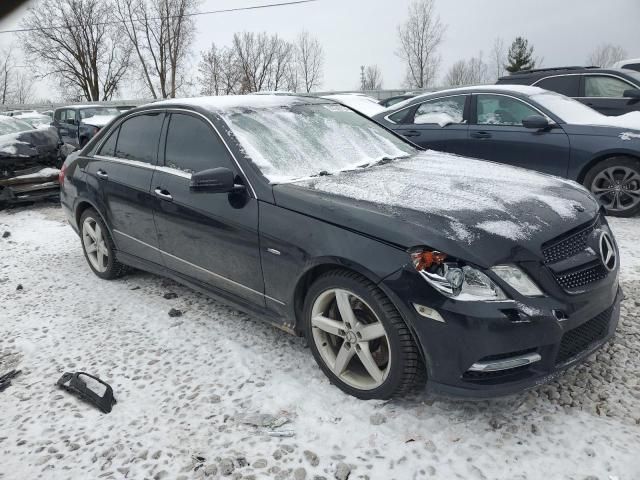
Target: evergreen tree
[[520, 56]]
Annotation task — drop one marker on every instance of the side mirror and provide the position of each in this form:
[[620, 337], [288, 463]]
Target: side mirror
[[535, 122], [215, 180], [632, 93]]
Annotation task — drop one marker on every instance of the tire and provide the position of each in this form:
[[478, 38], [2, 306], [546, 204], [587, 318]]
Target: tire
[[106, 268], [395, 353], [610, 181]]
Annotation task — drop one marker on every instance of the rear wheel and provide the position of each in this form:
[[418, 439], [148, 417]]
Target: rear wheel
[[358, 338], [615, 182], [98, 246]]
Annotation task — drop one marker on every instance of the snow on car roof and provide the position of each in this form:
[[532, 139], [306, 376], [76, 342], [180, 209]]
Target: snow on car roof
[[225, 102]]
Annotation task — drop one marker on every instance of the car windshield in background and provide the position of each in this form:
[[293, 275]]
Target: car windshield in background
[[11, 125], [305, 140], [93, 112], [35, 120], [569, 110]]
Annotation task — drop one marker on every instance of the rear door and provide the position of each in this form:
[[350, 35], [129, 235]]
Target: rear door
[[605, 93], [65, 122], [122, 171], [497, 134], [438, 124], [210, 237]]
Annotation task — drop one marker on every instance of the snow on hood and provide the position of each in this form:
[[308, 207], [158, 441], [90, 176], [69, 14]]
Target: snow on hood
[[366, 105], [99, 120], [629, 135], [475, 196], [10, 144]]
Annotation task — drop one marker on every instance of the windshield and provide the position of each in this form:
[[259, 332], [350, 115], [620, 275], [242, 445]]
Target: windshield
[[297, 141], [569, 110], [92, 112], [35, 120], [633, 74], [11, 125]]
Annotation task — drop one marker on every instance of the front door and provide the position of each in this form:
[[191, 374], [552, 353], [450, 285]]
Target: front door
[[122, 171], [497, 134], [210, 237], [67, 123], [437, 124]]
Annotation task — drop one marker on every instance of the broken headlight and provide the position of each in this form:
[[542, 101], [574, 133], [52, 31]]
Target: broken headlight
[[453, 278]]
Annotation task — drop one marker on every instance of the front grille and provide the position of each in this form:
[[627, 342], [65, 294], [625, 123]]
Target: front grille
[[569, 246], [580, 338], [577, 279]]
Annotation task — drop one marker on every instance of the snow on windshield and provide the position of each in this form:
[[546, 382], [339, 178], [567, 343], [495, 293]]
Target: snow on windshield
[[362, 103], [576, 113], [11, 125], [102, 111], [297, 141]]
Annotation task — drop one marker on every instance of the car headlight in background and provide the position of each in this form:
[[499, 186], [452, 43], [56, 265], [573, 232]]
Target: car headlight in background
[[518, 280], [454, 279]]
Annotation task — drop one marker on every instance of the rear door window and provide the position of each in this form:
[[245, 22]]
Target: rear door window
[[568, 85], [443, 111], [139, 137], [604, 86], [193, 146]]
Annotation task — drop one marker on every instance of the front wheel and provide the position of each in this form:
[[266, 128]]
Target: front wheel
[[358, 338], [615, 182]]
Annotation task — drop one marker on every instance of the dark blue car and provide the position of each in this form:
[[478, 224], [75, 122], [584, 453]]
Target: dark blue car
[[532, 128]]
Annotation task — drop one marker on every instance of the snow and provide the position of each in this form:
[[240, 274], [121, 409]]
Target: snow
[[9, 144], [362, 103], [287, 144], [225, 102], [45, 172], [629, 135], [99, 120], [215, 383], [434, 182]]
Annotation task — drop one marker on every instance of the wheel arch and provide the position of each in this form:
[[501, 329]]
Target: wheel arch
[[83, 205], [601, 157]]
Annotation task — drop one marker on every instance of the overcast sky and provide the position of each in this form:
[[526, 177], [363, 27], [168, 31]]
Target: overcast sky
[[364, 32]]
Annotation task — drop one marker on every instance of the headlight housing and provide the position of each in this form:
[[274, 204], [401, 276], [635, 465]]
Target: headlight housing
[[518, 280], [453, 278]]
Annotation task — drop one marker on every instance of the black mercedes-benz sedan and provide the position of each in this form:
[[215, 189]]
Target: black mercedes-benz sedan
[[397, 264]]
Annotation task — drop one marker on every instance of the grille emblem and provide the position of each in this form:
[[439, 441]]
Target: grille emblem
[[607, 251]]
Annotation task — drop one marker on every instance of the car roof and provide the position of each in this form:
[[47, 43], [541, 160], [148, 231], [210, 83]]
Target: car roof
[[80, 107], [231, 102], [546, 72]]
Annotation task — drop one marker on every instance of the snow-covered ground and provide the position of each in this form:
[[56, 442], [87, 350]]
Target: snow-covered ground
[[215, 393]]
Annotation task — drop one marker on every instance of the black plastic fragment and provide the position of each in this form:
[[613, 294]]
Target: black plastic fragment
[[73, 383], [5, 380]]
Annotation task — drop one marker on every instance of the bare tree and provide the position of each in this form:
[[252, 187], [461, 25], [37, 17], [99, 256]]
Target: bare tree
[[310, 60], [160, 32], [210, 74], [23, 92], [468, 72], [70, 41], [283, 63], [372, 78], [256, 55], [606, 54], [498, 57], [420, 36], [6, 71]]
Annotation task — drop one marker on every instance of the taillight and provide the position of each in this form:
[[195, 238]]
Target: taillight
[[61, 175]]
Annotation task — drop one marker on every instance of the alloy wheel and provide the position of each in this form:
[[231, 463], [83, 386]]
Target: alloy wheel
[[94, 245], [351, 339], [617, 188]]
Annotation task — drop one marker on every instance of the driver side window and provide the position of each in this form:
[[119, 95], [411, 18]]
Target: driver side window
[[192, 146], [501, 110]]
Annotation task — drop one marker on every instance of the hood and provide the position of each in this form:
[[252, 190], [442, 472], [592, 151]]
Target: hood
[[98, 120], [30, 143], [624, 134], [483, 212], [597, 124]]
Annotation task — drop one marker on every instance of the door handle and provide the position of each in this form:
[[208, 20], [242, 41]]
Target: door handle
[[411, 133], [162, 193], [480, 135], [102, 174]]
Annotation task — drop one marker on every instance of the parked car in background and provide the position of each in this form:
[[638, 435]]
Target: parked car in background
[[387, 102], [29, 162], [35, 119], [629, 64], [124, 108], [607, 90], [360, 102], [393, 262], [13, 113], [532, 128], [77, 124]]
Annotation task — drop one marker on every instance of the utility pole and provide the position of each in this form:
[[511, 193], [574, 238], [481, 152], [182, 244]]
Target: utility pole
[[362, 77]]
